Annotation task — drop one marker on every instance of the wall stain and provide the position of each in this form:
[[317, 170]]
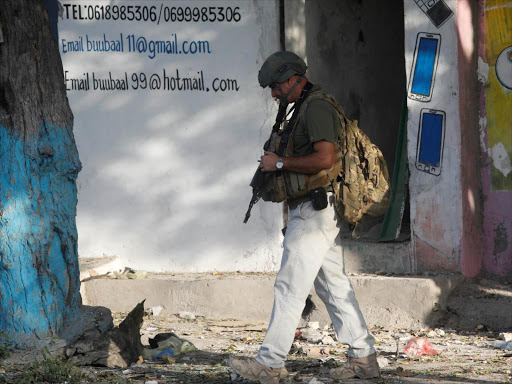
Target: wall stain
[[500, 240]]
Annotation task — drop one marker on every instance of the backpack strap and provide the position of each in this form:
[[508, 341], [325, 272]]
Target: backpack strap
[[285, 135], [322, 95]]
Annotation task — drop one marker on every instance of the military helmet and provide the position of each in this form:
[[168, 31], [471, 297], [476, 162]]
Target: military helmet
[[279, 67]]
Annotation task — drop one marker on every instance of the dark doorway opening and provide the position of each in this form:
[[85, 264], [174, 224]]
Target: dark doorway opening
[[355, 50]]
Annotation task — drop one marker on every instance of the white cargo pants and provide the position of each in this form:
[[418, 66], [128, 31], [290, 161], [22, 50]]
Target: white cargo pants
[[312, 254]]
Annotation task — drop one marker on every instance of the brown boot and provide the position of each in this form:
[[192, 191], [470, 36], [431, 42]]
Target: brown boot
[[361, 367], [252, 370]]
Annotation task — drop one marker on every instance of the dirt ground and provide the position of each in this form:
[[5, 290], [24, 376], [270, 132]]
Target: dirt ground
[[464, 356]]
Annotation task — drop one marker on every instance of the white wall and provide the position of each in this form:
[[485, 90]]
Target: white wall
[[165, 176], [436, 210]]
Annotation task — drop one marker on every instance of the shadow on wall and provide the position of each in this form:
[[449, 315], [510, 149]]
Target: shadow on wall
[[166, 175], [173, 178]]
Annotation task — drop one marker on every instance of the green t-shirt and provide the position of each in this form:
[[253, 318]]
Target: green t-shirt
[[319, 122]]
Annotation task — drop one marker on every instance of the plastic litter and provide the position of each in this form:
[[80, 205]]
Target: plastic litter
[[312, 335], [166, 353], [155, 311], [165, 346], [419, 346], [506, 345]]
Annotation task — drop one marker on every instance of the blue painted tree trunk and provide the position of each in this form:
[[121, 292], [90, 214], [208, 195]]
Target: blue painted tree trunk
[[39, 275]]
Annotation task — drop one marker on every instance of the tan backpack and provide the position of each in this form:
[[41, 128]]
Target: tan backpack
[[362, 187]]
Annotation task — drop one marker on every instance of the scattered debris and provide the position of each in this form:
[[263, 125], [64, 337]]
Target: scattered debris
[[467, 356], [506, 345], [507, 336], [155, 311], [383, 362], [313, 325], [328, 340], [164, 346], [129, 273], [311, 335], [187, 315], [419, 346], [436, 332]]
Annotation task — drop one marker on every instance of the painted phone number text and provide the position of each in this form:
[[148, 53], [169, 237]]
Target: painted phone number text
[[151, 13], [166, 81]]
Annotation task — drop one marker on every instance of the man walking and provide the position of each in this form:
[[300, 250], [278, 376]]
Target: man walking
[[312, 250]]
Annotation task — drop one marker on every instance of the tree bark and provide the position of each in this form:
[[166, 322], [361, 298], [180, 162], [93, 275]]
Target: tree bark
[[39, 275]]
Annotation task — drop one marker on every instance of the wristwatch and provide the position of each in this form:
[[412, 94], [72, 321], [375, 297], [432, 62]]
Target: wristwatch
[[279, 164]]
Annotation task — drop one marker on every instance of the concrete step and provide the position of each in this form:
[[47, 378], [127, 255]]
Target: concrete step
[[361, 256], [389, 302]]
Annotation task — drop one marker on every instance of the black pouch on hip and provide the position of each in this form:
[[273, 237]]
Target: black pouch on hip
[[318, 197]]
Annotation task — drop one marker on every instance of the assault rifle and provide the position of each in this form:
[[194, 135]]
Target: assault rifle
[[259, 180]]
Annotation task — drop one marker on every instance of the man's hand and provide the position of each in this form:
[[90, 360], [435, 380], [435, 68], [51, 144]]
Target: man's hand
[[268, 162], [321, 158]]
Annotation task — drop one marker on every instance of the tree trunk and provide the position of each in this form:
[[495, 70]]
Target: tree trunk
[[39, 276]]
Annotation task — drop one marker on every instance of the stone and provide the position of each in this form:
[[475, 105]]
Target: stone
[[118, 347], [383, 362], [317, 352], [187, 315]]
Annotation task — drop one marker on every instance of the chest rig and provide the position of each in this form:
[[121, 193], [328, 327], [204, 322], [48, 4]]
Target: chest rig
[[284, 185]]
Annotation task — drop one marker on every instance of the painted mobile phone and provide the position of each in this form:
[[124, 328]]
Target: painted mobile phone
[[436, 10], [424, 66], [429, 154]]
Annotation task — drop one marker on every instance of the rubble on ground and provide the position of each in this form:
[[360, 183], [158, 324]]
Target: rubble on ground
[[118, 347], [464, 356]]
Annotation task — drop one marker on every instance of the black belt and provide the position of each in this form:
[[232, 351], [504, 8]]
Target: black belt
[[295, 202]]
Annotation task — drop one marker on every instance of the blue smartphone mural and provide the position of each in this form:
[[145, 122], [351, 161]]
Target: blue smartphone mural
[[424, 66], [429, 155]]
